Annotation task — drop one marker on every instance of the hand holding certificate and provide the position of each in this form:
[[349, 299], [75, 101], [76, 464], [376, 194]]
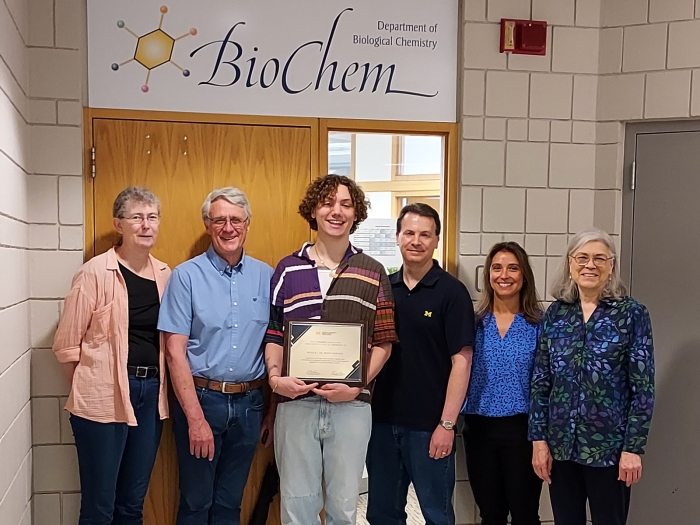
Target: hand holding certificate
[[325, 352]]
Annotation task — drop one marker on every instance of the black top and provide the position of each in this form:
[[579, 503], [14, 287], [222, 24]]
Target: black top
[[144, 305], [434, 321]]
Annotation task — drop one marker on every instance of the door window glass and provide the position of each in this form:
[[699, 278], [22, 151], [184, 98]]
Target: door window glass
[[393, 170]]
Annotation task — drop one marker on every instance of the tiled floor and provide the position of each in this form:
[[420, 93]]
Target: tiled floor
[[412, 509]]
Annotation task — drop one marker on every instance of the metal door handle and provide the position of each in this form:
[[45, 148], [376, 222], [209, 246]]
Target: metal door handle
[[478, 269]]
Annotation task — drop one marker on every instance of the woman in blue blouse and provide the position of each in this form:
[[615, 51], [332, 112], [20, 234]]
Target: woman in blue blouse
[[592, 387], [498, 452]]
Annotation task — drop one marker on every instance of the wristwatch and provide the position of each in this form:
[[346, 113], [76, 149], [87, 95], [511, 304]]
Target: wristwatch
[[447, 425]]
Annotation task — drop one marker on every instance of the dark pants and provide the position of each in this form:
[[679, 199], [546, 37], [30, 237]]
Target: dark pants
[[398, 456], [115, 460], [211, 491], [573, 484], [499, 465]]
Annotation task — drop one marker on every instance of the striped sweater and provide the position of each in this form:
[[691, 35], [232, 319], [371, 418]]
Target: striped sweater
[[360, 291]]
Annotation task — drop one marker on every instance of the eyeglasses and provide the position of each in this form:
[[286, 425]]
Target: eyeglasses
[[152, 218], [599, 260], [236, 222]]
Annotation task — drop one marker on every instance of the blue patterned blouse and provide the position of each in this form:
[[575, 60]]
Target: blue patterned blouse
[[501, 368], [593, 382]]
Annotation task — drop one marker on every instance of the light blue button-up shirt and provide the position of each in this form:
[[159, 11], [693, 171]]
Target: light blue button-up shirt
[[224, 311]]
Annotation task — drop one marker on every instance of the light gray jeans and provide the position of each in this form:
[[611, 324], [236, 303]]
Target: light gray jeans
[[320, 449]]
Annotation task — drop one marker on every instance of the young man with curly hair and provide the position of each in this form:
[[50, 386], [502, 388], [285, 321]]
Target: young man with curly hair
[[321, 433]]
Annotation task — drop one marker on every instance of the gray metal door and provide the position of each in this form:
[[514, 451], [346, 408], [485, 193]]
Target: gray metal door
[[661, 250]]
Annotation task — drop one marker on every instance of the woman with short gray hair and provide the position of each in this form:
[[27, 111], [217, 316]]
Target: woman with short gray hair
[[111, 352], [592, 389]]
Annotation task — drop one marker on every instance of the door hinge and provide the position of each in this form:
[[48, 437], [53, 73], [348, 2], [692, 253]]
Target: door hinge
[[633, 181], [92, 158]]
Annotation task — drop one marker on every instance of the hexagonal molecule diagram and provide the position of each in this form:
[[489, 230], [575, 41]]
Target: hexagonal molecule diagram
[[154, 49]]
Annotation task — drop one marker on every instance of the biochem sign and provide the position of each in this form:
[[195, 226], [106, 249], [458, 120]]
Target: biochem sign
[[378, 59]]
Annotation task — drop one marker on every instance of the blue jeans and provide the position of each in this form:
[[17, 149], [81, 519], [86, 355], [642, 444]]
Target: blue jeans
[[398, 456], [211, 491], [320, 449], [115, 460]]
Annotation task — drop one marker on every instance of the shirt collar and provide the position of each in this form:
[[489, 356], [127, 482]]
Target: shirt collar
[[605, 301], [609, 301], [221, 265], [113, 261], [304, 252], [429, 279], [489, 318]]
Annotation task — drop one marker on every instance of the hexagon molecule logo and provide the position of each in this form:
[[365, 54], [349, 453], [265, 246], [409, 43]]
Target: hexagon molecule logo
[[154, 49]]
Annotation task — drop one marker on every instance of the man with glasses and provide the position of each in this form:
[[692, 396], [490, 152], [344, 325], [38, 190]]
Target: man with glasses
[[214, 314]]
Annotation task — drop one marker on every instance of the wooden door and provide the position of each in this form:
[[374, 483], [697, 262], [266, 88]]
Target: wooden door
[[181, 163]]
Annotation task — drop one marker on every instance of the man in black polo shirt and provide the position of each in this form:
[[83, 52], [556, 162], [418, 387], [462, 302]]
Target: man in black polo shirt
[[420, 390]]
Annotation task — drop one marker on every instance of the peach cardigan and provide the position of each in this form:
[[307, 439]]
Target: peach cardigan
[[93, 332]]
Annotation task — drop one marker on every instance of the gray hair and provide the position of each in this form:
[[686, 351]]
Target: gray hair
[[565, 289], [230, 194], [133, 194]]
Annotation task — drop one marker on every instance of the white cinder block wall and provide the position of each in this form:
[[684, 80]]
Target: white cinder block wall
[[54, 36], [533, 154], [543, 136], [541, 159], [16, 111]]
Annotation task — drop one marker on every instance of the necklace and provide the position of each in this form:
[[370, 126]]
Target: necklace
[[320, 259]]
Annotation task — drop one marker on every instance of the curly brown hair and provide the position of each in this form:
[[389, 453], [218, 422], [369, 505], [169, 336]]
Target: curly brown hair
[[326, 187]]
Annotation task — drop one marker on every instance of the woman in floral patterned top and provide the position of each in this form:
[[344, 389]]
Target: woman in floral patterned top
[[592, 389]]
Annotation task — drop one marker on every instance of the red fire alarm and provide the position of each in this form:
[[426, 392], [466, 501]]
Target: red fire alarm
[[524, 37]]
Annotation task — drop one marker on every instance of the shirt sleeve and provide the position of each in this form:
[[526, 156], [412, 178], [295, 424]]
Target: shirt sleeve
[[640, 381], [275, 327], [77, 314], [459, 321], [384, 326], [541, 385], [176, 305]]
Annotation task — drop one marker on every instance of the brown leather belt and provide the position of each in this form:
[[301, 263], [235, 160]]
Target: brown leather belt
[[228, 388]]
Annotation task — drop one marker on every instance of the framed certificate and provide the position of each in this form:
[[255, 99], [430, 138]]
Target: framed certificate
[[325, 352]]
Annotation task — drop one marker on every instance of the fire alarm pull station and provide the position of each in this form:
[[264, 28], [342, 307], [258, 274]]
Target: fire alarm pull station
[[524, 37]]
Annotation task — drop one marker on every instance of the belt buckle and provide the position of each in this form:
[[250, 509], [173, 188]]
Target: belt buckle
[[142, 372], [224, 386], [236, 387]]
